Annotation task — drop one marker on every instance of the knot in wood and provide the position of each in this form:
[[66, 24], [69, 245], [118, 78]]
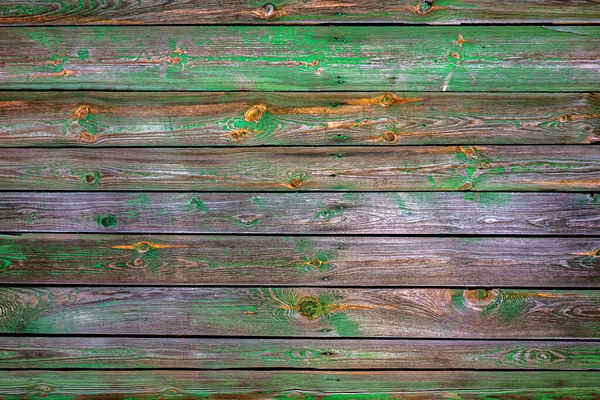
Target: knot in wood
[[295, 182], [144, 246], [564, 118], [425, 6], [238, 134], [310, 308], [387, 99], [389, 136], [88, 137], [255, 113], [107, 221], [268, 10], [480, 298], [82, 112], [90, 178]]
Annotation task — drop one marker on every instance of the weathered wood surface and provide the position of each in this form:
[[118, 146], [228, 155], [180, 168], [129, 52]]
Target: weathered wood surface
[[213, 58], [130, 12], [293, 213], [329, 385], [302, 312], [27, 352], [282, 119], [296, 261], [418, 168]]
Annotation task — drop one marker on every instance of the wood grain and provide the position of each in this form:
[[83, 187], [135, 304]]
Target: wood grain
[[295, 261], [302, 312], [282, 58], [422, 168], [300, 119], [27, 352], [313, 213], [377, 385], [130, 12]]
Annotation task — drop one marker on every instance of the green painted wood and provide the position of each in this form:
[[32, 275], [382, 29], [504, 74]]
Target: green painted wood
[[224, 58], [294, 261], [25, 352], [430, 168], [281, 385], [313, 213], [280, 119], [130, 12], [302, 312]]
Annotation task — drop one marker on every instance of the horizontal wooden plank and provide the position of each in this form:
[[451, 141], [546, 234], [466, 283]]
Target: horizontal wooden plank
[[250, 119], [313, 312], [422, 168], [299, 384], [293, 213], [130, 12], [294, 261], [117, 353], [224, 58]]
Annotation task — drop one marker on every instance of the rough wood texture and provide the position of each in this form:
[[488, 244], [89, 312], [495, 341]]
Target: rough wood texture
[[296, 261], [141, 353], [251, 119], [130, 12], [422, 168], [328, 385], [291, 213], [523, 58], [307, 312]]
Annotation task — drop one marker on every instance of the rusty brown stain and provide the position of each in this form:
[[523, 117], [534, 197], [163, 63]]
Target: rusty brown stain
[[587, 183], [593, 253], [345, 124], [315, 262], [255, 113], [144, 246], [385, 100], [461, 40], [468, 151], [64, 72]]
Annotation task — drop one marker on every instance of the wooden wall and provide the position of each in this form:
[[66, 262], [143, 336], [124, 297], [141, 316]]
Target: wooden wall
[[299, 199]]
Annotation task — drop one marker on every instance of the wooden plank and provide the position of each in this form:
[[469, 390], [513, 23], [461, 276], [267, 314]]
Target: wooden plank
[[280, 119], [422, 168], [224, 58], [129, 12], [141, 353], [293, 261], [306, 312], [299, 384], [293, 213]]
